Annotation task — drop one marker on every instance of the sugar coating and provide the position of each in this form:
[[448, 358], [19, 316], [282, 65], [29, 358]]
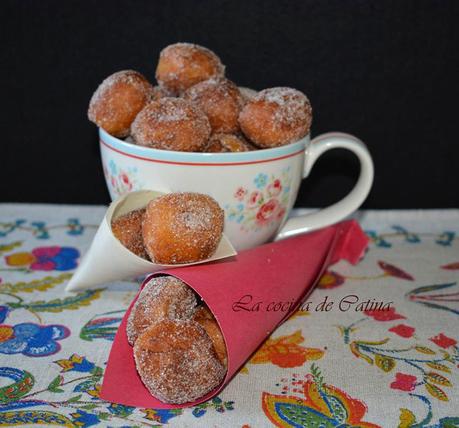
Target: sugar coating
[[183, 65], [227, 143], [118, 99], [171, 124], [164, 297], [247, 94], [182, 228], [276, 116], [221, 100], [128, 230], [177, 362]]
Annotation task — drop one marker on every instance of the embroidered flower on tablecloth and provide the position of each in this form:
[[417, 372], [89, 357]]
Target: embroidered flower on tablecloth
[[404, 382], [76, 364], [443, 341], [451, 266], [331, 279], [84, 419], [46, 258], [391, 270], [403, 330], [32, 340], [385, 315], [3, 313], [161, 415]]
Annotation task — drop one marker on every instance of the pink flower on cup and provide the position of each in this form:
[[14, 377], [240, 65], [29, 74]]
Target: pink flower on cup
[[267, 211], [254, 198], [280, 213], [125, 179], [275, 188], [240, 193]]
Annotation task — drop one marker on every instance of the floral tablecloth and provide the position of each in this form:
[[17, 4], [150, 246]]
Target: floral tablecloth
[[340, 361]]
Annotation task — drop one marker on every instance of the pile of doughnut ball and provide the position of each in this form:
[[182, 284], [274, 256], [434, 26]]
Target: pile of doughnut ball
[[174, 228], [179, 350], [195, 108]]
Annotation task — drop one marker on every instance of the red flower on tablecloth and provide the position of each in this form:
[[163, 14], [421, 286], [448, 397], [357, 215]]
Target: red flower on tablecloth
[[451, 266], [267, 211], [403, 330], [443, 341], [391, 270], [404, 382], [385, 315], [285, 351], [331, 279]]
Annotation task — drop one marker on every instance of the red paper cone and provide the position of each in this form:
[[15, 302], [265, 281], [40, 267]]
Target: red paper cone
[[242, 293]]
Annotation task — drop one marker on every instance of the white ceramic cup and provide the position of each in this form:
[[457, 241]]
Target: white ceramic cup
[[256, 189]]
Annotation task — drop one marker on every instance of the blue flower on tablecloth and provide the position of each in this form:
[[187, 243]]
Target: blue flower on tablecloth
[[260, 180], [33, 340], [120, 410], [46, 258], [161, 415], [84, 419], [75, 364], [3, 313]]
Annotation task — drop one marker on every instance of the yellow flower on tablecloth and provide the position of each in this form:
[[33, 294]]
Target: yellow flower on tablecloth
[[285, 351], [6, 332], [20, 259]]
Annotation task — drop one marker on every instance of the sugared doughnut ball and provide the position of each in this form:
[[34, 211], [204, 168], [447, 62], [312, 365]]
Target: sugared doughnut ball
[[128, 230], [182, 65], [182, 228], [275, 117], [224, 143], [164, 297], [220, 100], [247, 94], [177, 362], [171, 124], [118, 100], [207, 321], [160, 92]]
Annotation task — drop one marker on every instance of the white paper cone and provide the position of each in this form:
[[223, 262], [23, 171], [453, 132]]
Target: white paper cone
[[107, 260]]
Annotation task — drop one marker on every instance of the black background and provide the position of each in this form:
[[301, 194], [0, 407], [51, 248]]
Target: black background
[[385, 71]]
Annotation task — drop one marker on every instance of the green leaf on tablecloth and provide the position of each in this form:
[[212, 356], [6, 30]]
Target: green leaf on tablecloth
[[55, 383], [449, 422], [97, 371], [424, 350], [83, 298], [29, 417], [438, 366], [85, 385], [89, 406], [104, 416], [385, 363], [438, 379], [74, 399], [35, 285], [436, 392], [23, 383], [11, 246]]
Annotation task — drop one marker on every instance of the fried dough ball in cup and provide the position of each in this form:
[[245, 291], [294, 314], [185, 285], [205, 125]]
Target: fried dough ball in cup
[[171, 124], [118, 100], [164, 297], [220, 100], [275, 117], [206, 320], [182, 228], [177, 362], [182, 65], [160, 92], [225, 143], [128, 230]]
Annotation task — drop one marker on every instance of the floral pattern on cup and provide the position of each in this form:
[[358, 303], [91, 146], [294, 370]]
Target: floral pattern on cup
[[263, 204], [120, 180]]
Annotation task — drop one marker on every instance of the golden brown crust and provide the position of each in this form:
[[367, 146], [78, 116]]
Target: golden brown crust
[[206, 320], [220, 100], [164, 297], [171, 124], [177, 362], [183, 65], [118, 100], [275, 117], [128, 230], [225, 143], [182, 228]]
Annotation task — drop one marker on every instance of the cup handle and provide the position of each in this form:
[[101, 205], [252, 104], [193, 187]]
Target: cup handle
[[347, 205]]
